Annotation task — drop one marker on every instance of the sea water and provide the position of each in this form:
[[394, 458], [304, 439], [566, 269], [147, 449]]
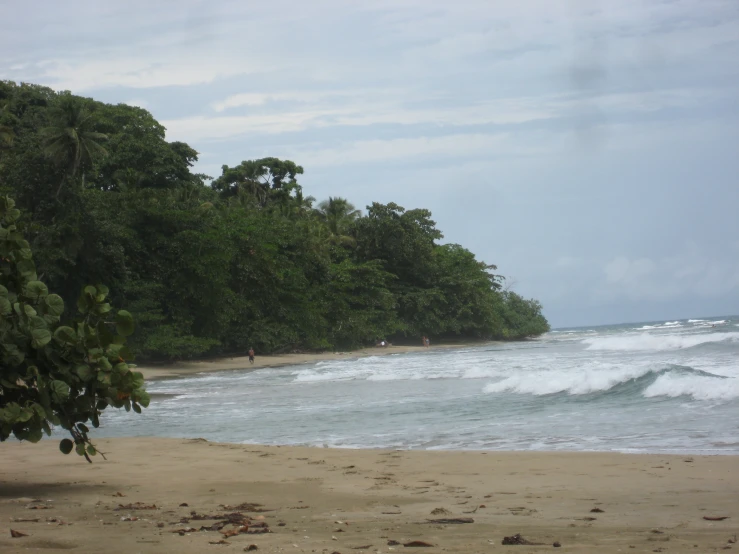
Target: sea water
[[670, 386]]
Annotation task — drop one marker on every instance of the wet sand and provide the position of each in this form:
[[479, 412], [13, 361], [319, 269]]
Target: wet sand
[[331, 500], [184, 368]]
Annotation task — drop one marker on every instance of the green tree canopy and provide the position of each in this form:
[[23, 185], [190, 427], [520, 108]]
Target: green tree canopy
[[53, 372], [247, 260]]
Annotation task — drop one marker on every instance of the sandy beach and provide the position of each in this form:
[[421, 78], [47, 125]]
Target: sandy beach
[[183, 368], [155, 495]]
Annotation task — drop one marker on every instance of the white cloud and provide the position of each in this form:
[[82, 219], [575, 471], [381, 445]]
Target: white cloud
[[365, 108], [368, 151], [137, 72], [687, 273]]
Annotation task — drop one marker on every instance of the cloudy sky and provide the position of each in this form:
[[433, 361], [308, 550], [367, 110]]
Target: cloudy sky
[[590, 148]]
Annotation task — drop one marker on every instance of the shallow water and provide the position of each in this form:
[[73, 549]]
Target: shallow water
[[647, 387]]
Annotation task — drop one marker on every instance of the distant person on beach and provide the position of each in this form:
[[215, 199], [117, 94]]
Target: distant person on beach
[[251, 355], [428, 341]]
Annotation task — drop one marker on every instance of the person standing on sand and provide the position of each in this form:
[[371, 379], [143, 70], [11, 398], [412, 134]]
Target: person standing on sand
[[251, 355]]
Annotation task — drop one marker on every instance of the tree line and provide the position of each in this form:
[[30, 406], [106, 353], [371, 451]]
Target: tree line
[[215, 266]]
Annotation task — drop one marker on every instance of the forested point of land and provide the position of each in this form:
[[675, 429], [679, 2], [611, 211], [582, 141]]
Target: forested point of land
[[216, 266]]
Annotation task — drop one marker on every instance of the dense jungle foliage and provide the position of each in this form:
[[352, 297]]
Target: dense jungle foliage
[[245, 260]]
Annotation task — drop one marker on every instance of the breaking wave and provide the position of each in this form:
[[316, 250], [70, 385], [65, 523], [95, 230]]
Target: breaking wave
[[647, 341], [672, 381]]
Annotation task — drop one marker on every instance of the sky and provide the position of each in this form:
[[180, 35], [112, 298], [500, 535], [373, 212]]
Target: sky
[[589, 149]]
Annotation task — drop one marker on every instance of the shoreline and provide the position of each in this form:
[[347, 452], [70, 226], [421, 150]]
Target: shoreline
[[142, 499], [187, 368]]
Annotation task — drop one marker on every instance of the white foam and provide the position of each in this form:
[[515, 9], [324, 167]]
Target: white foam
[[572, 381], [695, 386], [696, 320], [656, 342]]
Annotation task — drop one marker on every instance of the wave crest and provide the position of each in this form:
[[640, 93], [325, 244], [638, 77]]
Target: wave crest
[[672, 381], [647, 341]]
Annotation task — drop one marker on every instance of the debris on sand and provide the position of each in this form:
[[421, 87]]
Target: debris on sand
[[440, 512], [136, 506], [518, 539]]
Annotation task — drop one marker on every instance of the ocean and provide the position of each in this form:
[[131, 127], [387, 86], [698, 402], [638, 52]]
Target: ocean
[[669, 386]]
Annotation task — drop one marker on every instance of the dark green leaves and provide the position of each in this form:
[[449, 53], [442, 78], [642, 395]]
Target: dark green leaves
[[124, 323], [36, 289], [53, 373], [66, 446], [54, 305], [65, 335], [59, 390], [41, 337]]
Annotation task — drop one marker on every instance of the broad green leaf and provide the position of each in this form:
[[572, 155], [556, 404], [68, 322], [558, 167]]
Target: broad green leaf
[[83, 303], [121, 368], [55, 304], [102, 292], [36, 322], [102, 309], [24, 415], [124, 323], [143, 398], [5, 307], [59, 390], [41, 338], [34, 434], [13, 356], [10, 413], [65, 335], [138, 380], [84, 372], [27, 269], [38, 409], [36, 289]]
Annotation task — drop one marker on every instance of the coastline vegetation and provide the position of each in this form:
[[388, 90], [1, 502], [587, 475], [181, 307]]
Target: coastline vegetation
[[216, 266]]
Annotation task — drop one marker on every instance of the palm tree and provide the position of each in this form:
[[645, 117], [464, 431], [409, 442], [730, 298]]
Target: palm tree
[[71, 140], [338, 214]]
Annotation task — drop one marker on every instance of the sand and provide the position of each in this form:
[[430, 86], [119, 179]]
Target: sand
[[332, 500], [184, 368]]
